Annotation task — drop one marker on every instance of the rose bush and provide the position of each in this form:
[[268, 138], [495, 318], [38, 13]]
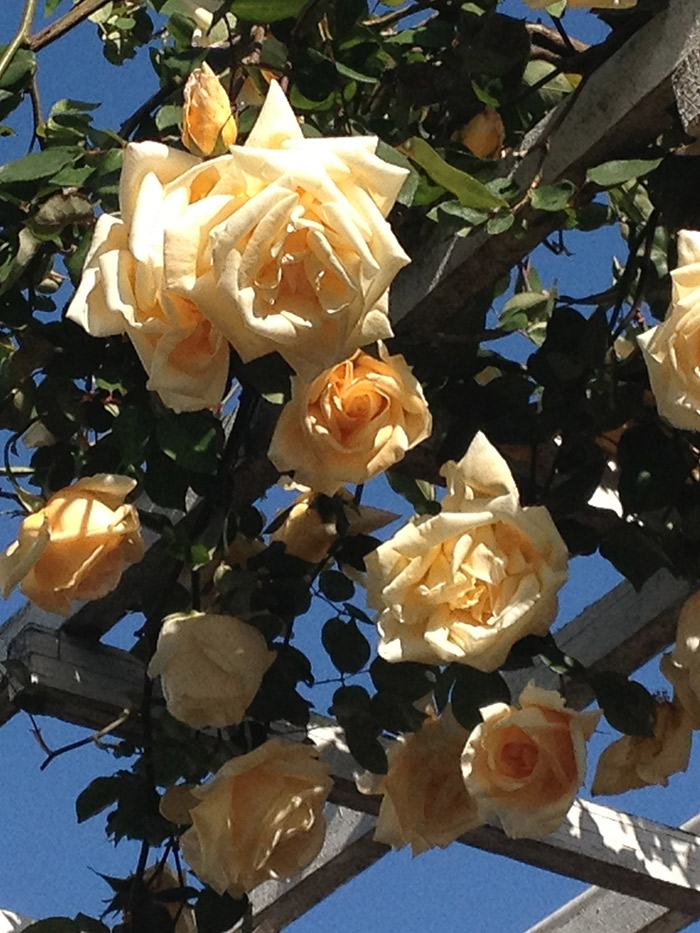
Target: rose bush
[[466, 584], [76, 546], [280, 245], [671, 349], [638, 761], [425, 802], [210, 667], [353, 421], [524, 764], [259, 817]]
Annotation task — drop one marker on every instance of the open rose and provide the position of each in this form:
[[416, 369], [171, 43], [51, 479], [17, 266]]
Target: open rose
[[210, 667], [76, 546], [524, 764], [281, 244], [352, 422], [425, 802], [466, 584], [638, 761], [672, 349], [259, 817]]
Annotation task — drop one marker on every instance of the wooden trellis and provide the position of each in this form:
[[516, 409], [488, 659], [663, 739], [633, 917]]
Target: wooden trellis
[[650, 872]]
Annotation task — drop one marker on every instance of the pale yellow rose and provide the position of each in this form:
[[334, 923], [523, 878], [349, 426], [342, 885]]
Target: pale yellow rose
[[259, 817], [210, 667], [280, 245], [484, 134], [351, 423], [76, 546], [524, 764], [160, 879], [635, 761], [208, 125], [310, 528], [466, 584], [425, 802], [682, 666], [672, 349]]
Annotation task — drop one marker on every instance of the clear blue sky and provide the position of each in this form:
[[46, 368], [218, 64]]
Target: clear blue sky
[[47, 859]]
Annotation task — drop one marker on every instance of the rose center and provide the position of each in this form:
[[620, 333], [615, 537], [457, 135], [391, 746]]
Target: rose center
[[518, 753]]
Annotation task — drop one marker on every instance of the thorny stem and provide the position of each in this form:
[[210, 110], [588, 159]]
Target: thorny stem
[[20, 36]]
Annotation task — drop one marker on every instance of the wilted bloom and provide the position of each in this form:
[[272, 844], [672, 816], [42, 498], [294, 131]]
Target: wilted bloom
[[208, 125], [484, 134], [76, 546]]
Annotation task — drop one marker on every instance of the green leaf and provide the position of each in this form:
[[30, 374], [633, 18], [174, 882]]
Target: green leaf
[[348, 72], [420, 494], [366, 749], [618, 171], [336, 585], [267, 11], [53, 925], [90, 924], [38, 165], [552, 197], [627, 705], [405, 678], [59, 211], [347, 647], [470, 191], [192, 439], [216, 913], [408, 189], [97, 796], [473, 690], [500, 223], [169, 115], [20, 69], [350, 703]]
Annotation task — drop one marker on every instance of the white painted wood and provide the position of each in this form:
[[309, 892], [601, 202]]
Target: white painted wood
[[11, 922], [591, 912]]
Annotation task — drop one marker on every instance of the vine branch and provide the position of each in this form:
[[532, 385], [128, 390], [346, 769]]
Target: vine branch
[[80, 12], [21, 36]]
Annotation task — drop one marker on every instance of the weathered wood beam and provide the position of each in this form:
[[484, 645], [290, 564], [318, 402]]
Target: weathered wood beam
[[595, 910], [621, 107], [11, 922]]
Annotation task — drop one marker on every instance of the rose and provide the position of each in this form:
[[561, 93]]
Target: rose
[[310, 526], [466, 584], [76, 546], [524, 764], [304, 266], [484, 134], [207, 122], [637, 761], [682, 666], [352, 422], [425, 802], [126, 285], [280, 245], [671, 348], [210, 667], [259, 817]]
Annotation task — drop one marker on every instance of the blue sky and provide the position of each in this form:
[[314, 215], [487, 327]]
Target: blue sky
[[49, 861]]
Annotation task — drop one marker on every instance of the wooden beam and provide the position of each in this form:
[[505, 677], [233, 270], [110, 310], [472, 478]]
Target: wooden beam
[[11, 922], [591, 912], [621, 107]]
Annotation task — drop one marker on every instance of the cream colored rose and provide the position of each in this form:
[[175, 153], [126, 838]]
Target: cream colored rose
[[208, 125], [352, 422], [280, 245], [310, 528], [672, 349], [304, 267], [76, 546], [524, 764], [259, 817], [634, 761], [210, 667], [466, 584], [425, 802], [682, 666]]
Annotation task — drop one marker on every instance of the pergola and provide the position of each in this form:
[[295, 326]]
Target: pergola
[[646, 876]]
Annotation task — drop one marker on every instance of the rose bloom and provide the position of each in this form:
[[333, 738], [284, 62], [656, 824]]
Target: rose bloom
[[281, 244], [210, 667], [484, 134], [207, 121], [259, 817], [671, 348], [682, 666], [636, 761], [466, 584], [309, 530], [352, 422], [76, 546], [524, 764], [425, 802]]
